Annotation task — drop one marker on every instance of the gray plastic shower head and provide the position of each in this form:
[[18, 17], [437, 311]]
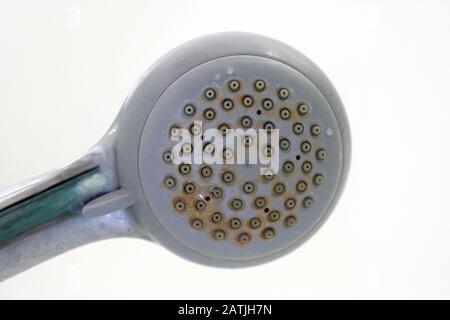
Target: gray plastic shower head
[[226, 215]]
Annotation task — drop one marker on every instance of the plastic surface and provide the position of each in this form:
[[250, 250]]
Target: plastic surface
[[59, 202], [146, 95], [127, 157], [168, 111]]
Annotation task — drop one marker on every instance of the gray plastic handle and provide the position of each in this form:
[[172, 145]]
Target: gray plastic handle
[[64, 209]]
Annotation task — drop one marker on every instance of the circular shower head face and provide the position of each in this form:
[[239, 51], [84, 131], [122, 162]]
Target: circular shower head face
[[230, 214]]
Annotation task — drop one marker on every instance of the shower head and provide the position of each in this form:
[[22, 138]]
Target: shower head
[[223, 213]]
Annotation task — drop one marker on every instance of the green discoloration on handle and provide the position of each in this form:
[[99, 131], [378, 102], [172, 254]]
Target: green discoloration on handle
[[62, 200]]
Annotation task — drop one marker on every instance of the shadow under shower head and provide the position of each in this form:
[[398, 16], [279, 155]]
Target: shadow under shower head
[[221, 213]]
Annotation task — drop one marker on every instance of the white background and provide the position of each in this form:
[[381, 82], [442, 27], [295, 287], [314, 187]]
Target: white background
[[62, 82]]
